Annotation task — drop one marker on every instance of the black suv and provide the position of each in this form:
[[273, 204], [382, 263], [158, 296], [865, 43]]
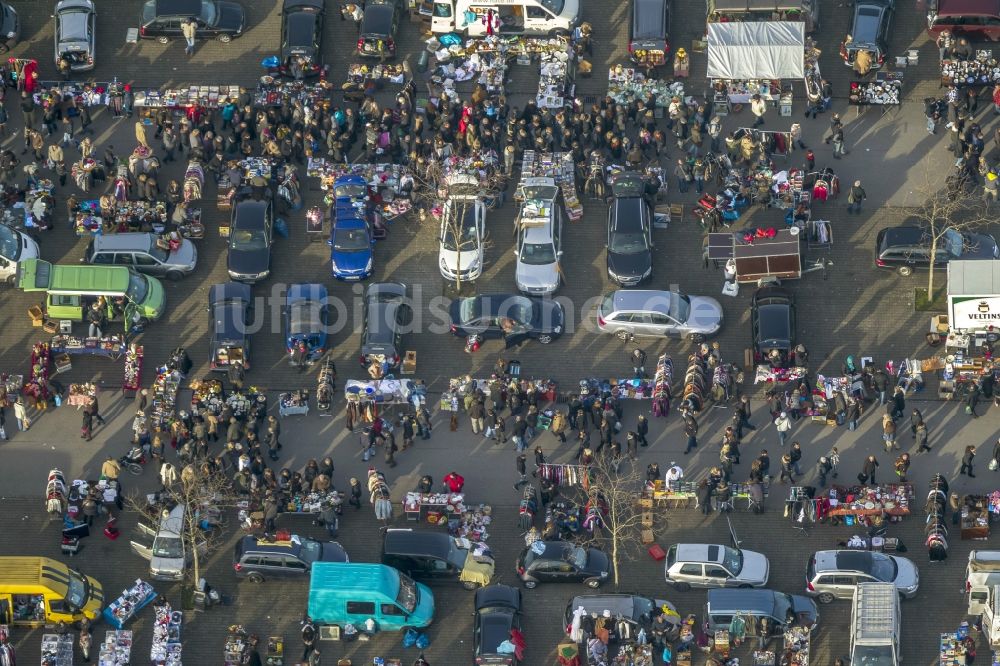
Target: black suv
[[431, 556], [869, 31], [302, 35], [907, 248], [10, 27], [648, 29], [378, 29], [256, 559], [162, 19], [630, 247], [772, 322], [385, 314]]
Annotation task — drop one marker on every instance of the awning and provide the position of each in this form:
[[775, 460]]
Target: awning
[[756, 50]]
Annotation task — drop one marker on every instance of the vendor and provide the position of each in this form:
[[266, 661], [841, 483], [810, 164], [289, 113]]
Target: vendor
[[673, 476], [962, 51]]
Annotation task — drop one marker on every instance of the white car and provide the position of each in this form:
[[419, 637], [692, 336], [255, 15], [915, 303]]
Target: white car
[[708, 565], [463, 231], [539, 238]]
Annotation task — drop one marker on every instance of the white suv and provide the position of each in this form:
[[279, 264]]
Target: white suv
[[539, 238]]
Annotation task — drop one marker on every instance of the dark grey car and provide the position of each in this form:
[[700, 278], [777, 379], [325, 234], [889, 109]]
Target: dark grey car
[[10, 27], [74, 34], [250, 237]]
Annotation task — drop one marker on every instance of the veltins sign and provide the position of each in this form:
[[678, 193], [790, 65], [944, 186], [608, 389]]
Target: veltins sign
[[975, 313]]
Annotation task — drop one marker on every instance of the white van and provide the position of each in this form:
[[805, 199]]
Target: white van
[[875, 625], [14, 247], [511, 17], [981, 574]]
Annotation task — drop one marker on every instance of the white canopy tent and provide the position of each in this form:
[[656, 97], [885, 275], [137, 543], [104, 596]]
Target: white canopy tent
[[756, 50]]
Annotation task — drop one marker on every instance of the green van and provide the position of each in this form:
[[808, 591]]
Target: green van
[[69, 289], [347, 593]]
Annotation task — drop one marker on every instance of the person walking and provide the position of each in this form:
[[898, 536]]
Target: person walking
[[967, 460], [867, 475], [823, 469], [901, 466], [168, 475], [796, 455], [691, 430], [684, 176], [638, 357], [889, 432], [477, 415], [786, 470], [96, 409], [898, 403], [642, 429], [973, 400], [110, 469], [190, 29], [521, 464], [85, 642], [995, 464], [390, 449], [87, 425], [920, 435], [308, 638], [838, 144], [758, 107], [783, 425], [21, 415], [559, 426], [744, 411], [855, 196], [915, 418]]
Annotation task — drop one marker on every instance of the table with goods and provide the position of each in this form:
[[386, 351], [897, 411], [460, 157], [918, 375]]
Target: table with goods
[[166, 647], [116, 650], [131, 601], [57, 650]]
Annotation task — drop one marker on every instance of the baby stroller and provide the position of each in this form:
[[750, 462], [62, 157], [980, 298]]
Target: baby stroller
[[325, 387]]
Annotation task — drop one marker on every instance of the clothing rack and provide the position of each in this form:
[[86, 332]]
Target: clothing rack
[[781, 142], [527, 508], [565, 475]]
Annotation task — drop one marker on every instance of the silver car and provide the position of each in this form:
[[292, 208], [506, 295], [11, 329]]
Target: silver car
[[539, 238], [709, 565], [143, 252], [660, 314], [833, 574], [76, 22]]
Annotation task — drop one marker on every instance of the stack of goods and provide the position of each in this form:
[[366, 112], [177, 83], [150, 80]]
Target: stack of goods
[[936, 529], [164, 398], [57, 650], [983, 70], [166, 648], [110, 345], [955, 647], [87, 219], [55, 492], [241, 403], [558, 166], [81, 394], [662, 381], [133, 368], [625, 84], [880, 93], [7, 656], [312, 502], [473, 524], [194, 181], [41, 361], [797, 646], [237, 650], [553, 84], [134, 215], [203, 96], [696, 384], [129, 603], [453, 503], [632, 389], [479, 163], [253, 167], [274, 92], [293, 402], [207, 394], [361, 72], [82, 173], [116, 650]]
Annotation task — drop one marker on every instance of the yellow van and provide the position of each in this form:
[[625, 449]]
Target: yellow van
[[37, 591]]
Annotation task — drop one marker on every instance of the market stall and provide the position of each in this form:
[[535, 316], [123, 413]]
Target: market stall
[[757, 254], [57, 650], [204, 97], [390, 185], [166, 647], [369, 398], [37, 386], [132, 600], [109, 215], [273, 91], [747, 59], [974, 517], [164, 398], [132, 377], [207, 394], [954, 646], [560, 168], [111, 346], [982, 69], [796, 644], [80, 395], [434, 507], [237, 648], [851, 505], [627, 84], [555, 80], [293, 403], [116, 649], [883, 93]]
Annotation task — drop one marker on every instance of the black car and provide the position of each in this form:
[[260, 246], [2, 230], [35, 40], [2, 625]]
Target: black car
[[162, 19], [250, 235], [433, 556], [562, 562], [302, 36], [386, 313], [256, 559], [498, 612], [509, 316], [640, 611], [630, 246], [378, 29], [869, 32], [648, 29], [772, 322], [230, 308], [904, 249], [10, 27]]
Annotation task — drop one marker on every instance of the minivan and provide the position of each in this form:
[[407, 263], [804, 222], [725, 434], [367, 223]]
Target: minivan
[[14, 247], [38, 591], [976, 19], [342, 593], [385, 313], [142, 252], [648, 29], [256, 558], [723, 605], [433, 556]]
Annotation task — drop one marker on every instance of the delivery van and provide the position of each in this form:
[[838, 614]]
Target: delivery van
[[14, 247], [71, 289], [38, 591], [991, 618], [875, 625], [981, 574], [509, 17], [347, 593]]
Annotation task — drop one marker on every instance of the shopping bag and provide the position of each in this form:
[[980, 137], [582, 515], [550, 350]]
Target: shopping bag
[[993, 463], [410, 638], [3, 434]]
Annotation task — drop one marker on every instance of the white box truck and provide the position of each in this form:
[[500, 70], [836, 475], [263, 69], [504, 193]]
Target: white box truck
[[507, 17], [875, 625], [982, 573], [974, 296]]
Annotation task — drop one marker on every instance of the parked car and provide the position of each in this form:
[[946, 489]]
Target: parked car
[[562, 562], [869, 32], [352, 245], [432, 556], [759, 604], [377, 38], [302, 35], [509, 316], [648, 30], [708, 565], [386, 312], [630, 235], [977, 21], [230, 308], [76, 22], [165, 545], [306, 315], [162, 19], [462, 241], [539, 238], [636, 609], [498, 612], [251, 233], [10, 27], [772, 323], [259, 559], [907, 248], [662, 314], [15, 247], [143, 252], [834, 574]]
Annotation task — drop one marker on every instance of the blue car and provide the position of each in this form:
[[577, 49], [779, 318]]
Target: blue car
[[351, 245], [306, 320]]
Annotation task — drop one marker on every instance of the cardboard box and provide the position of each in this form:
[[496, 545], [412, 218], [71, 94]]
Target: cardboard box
[[36, 314], [646, 502], [647, 518], [647, 537]]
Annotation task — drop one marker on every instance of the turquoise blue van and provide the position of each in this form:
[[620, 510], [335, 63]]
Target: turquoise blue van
[[347, 593]]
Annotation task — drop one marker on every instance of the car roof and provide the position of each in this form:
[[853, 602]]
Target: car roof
[[303, 5], [541, 233], [618, 604], [301, 26], [380, 328], [305, 291], [74, 24], [843, 560], [776, 294], [722, 599], [178, 7], [74, 5], [423, 542], [628, 214], [554, 550], [250, 544], [377, 290], [699, 552], [868, 14], [909, 235], [129, 241], [968, 7], [646, 300], [498, 303], [250, 214], [229, 291], [377, 18], [647, 18], [498, 595]]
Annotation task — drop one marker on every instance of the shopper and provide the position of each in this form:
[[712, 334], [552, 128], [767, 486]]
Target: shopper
[[190, 29], [642, 429], [898, 403], [638, 357], [967, 459], [308, 638], [783, 424], [823, 469], [921, 437], [521, 465], [758, 107], [787, 470], [889, 432], [796, 455], [691, 430], [477, 414], [901, 466], [857, 193], [867, 475]]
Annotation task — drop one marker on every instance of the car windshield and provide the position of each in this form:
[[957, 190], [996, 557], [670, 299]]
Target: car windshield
[[873, 655], [168, 546], [578, 556], [884, 567], [351, 190], [351, 240], [310, 550], [782, 605], [78, 590], [138, 287], [209, 13], [643, 606], [630, 243], [732, 559], [469, 238], [680, 306], [554, 6], [305, 317], [953, 242], [538, 254], [457, 556], [158, 253], [248, 239], [407, 597], [10, 243]]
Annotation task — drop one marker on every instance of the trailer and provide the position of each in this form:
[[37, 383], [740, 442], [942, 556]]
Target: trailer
[[974, 297], [755, 257]]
